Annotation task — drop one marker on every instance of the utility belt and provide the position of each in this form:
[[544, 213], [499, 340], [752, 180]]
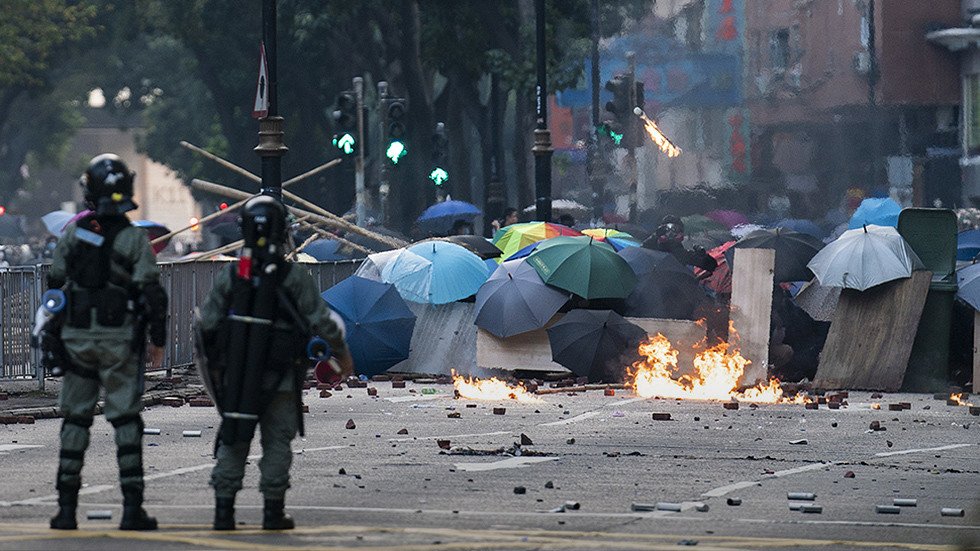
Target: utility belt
[[111, 306]]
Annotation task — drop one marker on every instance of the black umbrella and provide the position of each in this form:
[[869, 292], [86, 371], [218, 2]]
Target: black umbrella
[[599, 344], [665, 288], [793, 252], [479, 245]]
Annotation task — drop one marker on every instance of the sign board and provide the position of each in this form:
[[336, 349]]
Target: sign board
[[261, 108]]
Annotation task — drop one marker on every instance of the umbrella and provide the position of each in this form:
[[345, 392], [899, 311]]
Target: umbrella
[[515, 300], [720, 280], [440, 217], [477, 244], [742, 230], [793, 251], [515, 237], [562, 206], [817, 300], [801, 225], [379, 323], [597, 344], [967, 245], [665, 288], [225, 225], [877, 211], [727, 218], [325, 250], [436, 272], [55, 221], [865, 257], [699, 223], [968, 280], [584, 266], [618, 240], [526, 251], [371, 267], [153, 231]]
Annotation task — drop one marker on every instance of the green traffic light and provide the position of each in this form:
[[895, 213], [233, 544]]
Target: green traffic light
[[396, 150], [439, 176], [616, 137], [344, 143]]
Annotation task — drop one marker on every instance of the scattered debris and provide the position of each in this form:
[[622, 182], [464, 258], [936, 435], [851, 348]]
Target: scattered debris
[[99, 514], [454, 415], [876, 426], [397, 384], [730, 405], [800, 442], [876, 395], [903, 502], [811, 405], [609, 392], [570, 441], [833, 405], [402, 431], [471, 405], [689, 543], [661, 417], [549, 485], [201, 402], [520, 490], [572, 506], [499, 411], [151, 432], [734, 501], [444, 444], [849, 474], [887, 509], [801, 496], [342, 471], [974, 410], [514, 450], [951, 512], [350, 425], [191, 433], [810, 508], [875, 406], [325, 394], [526, 440], [372, 391], [172, 401], [701, 507]]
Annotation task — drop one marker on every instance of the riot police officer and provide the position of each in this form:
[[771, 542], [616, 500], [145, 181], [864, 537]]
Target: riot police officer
[[256, 325], [109, 274]]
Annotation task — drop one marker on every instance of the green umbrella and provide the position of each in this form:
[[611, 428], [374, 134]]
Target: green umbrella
[[584, 266], [697, 223]]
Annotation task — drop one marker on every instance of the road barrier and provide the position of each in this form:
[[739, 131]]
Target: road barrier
[[187, 285]]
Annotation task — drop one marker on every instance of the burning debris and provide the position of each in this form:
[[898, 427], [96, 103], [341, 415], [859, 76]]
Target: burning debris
[[958, 399], [492, 389], [657, 136], [716, 374]]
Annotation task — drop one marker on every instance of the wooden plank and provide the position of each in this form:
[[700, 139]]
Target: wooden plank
[[871, 336], [529, 351], [684, 335], [751, 309], [976, 349]]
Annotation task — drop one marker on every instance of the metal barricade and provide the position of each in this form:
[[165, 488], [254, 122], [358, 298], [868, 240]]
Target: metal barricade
[[187, 285]]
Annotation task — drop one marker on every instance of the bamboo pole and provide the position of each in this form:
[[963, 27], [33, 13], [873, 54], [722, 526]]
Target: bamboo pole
[[301, 246], [340, 222], [220, 250], [323, 233]]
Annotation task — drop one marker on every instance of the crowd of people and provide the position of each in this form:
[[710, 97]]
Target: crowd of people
[[33, 250]]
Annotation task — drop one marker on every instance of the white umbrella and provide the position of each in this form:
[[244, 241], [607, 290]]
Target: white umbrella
[[374, 263], [55, 221], [865, 257], [819, 301], [563, 206]]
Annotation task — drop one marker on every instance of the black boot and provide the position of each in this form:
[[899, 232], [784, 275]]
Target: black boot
[[134, 517], [224, 513], [273, 517], [67, 505]]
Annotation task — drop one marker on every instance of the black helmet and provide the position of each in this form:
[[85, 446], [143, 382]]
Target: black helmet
[[108, 185], [264, 227]]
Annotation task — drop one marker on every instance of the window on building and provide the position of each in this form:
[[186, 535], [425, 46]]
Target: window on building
[[694, 14], [971, 112], [779, 51]]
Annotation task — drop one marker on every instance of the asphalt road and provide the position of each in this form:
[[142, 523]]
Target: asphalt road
[[403, 492]]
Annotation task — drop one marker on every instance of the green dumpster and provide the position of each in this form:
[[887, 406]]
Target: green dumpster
[[932, 235]]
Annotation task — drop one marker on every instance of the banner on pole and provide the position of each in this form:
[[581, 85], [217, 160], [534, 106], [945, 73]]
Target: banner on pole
[[261, 108]]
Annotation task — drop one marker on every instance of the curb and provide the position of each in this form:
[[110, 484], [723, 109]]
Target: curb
[[149, 399]]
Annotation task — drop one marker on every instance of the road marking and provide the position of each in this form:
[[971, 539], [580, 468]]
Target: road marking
[[421, 398], [509, 463], [15, 447], [43, 500], [723, 490], [447, 437], [576, 419], [917, 450]]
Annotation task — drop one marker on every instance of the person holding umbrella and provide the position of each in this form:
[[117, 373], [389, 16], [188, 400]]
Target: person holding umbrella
[[669, 237]]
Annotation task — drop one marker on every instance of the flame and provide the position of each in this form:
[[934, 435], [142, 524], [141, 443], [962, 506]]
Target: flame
[[492, 389], [658, 137], [959, 399], [716, 374]]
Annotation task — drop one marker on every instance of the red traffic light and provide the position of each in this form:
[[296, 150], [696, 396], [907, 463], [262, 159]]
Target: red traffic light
[[3, 210]]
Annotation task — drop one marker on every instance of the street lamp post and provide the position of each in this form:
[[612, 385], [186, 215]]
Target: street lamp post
[[271, 147], [542, 136]]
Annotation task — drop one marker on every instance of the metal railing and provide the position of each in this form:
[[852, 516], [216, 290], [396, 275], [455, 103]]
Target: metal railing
[[187, 285]]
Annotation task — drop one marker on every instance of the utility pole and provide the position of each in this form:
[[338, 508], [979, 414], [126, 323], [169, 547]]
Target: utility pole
[[384, 173], [271, 147], [631, 130], [873, 77], [360, 193], [593, 161], [542, 136]]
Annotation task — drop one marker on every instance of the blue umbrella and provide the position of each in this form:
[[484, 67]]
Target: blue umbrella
[[526, 251], [436, 272], [325, 250], [620, 243], [379, 323], [802, 225], [967, 245], [440, 217], [968, 282], [876, 211]]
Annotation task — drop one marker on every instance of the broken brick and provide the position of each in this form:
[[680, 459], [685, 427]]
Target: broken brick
[[499, 411], [974, 410], [661, 417], [730, 405], [397, 384], [520, 490], [172, 401], [306, 408], [201, 402], [876, 395], [454, 415], [895, 407], [526, 440], [444, 444], [849, 474], [875, 425], [609, 392], [833, 405], [471, 405], [324, 386], [4, 395], [325, 393], [25, 419], [371, 391], [350, 425], [381, 378], [403, 431]]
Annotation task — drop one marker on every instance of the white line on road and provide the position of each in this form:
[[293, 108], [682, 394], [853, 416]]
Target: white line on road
[[509, 463], [15, 447], [917, 450], [591, 414], [449, 436], [397, 399], [718, 492]]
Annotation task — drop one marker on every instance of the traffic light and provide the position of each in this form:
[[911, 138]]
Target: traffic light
[[395, 130], [345, 123], [622, 126], [440, 155]]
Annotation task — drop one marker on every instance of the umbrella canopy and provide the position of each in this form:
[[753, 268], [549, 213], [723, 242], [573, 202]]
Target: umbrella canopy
[[794, 251], [584, 266], [865, 257], [597, 344], [435, 272], [371, 267], [225, 225], [154, 230], [325, 250], [665, 288], [697, 223], [477, 244], [801, 225], [515, 237], [967, 245], [515, 300], [720, 280], [525, 252], [562, 206], [877, 211], [727, 218], [819, 301], [742, 230], [617, 239], [379, 323], [968, 280], [55, 221], [440, 217]]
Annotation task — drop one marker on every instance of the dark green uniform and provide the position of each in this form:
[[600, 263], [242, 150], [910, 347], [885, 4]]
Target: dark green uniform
[[279, 421], [103, 353]]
